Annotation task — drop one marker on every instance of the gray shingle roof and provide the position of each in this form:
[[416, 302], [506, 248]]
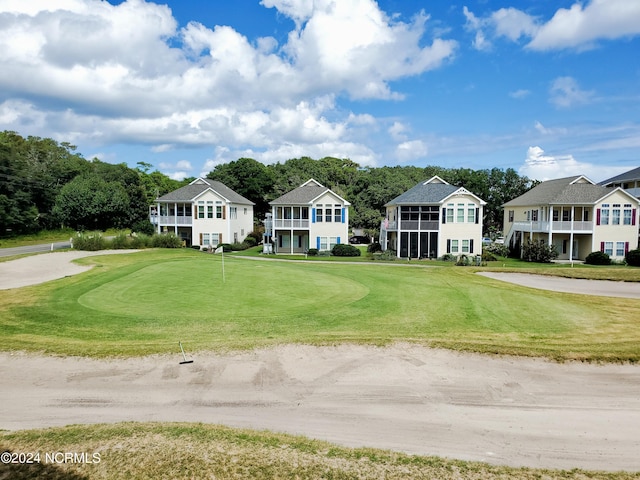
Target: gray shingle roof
[[623, 177], [560, 191], [424, 194], [189, 192], [303, 195]]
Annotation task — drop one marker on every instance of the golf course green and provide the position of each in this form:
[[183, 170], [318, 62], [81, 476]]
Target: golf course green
[[140, 304]]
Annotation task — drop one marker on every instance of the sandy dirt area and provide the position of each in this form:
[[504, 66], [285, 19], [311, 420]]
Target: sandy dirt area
[[502, 410]]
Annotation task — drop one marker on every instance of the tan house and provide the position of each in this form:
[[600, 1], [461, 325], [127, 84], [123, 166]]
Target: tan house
[[310, 216], [575, 215], [204, 213], [432, 219]]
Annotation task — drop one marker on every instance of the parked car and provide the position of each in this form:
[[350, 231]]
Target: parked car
[[500, 240], [359, 240], [486, 241]]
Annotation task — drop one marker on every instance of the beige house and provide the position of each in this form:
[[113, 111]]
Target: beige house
[[575, 215], [432, 219], [310, 216], [204, 213]]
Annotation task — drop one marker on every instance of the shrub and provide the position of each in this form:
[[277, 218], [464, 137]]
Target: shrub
[[226, 247], [89, 241], [447, 257], [462, 261], [496, 249], [312, 252], [250, 242], [345, 250], [598, 258], [166, 240], [388, 255], [143, 226], [236, 246], [538, 251], [140, 240], [633, 257], [121, 240], [374, 247], [256, 236], [487, 256]]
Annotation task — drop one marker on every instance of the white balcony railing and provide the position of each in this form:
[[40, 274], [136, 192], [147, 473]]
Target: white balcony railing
[[290, 223], [170, 220], [558, 226]]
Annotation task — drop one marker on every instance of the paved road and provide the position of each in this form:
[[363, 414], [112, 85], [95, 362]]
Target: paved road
[[47, 247]]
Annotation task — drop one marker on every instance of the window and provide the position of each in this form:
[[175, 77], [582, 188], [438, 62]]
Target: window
[[200, 209], [604, 214], [324, 243], [450, 213], [615, 214], [534, 215], [511, 214], [627, 214], [215, 238], [337, 212], [327, 213], [556, 215], [454, 246], [620, 249], [205, 239], [566, 215], [465, 246], [327, 243], [608, 248], [319, 214], [460, 218], [471, 213], [245, 210], [233, 212]]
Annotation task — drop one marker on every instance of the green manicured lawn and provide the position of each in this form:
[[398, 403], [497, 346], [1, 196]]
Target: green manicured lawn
[[186, 451], [145, 303]]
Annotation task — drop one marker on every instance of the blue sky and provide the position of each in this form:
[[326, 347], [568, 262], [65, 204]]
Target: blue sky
[[549, 88]]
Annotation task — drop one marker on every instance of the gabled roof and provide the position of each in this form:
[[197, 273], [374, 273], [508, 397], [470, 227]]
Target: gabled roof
[[566, 191], [305, 194], [629, 176], [191, 192], [434, 190]]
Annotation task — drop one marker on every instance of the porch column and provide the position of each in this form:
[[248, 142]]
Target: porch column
[[571, 233], [158, 217], [550, 219], [398, 223], [175, 218]]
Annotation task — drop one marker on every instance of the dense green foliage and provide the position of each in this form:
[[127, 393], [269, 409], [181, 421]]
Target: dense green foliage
[[538, 251], [597, 258], [345, 250], [633, 258], [47, 185]]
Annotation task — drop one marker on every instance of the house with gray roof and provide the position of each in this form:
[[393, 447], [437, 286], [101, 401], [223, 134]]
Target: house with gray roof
[[629, 181], [310, 216], [575, 215], [205, 213], [432, 219]]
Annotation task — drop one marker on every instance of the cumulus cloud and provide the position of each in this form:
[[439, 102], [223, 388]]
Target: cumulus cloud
[[411, 150], [540, 166], [579, 27], [521, 93], [129, 73]]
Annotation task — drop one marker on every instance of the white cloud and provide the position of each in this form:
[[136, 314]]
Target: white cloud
[[540, 166], [521, 93], [565, 92], [582, 25], [411, 150], [126, 73], [579, 27], [398, 131]]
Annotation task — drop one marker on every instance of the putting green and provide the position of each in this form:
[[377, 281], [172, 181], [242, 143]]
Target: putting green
[[195, 288]]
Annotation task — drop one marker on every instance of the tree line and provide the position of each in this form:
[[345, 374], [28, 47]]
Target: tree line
[[47, 185]]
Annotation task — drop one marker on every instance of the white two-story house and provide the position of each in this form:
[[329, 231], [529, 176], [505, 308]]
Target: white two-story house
[[310, 216], [575, 215], [204, 213], [432, 219]]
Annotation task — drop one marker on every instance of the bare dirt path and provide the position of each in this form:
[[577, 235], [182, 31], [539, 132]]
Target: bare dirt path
[[503, 410]]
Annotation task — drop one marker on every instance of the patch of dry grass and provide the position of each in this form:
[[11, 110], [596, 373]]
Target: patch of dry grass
[[186, 451]]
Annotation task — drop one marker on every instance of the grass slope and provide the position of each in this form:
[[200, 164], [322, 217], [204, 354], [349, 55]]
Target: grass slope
[[185, 451], [144, 303]]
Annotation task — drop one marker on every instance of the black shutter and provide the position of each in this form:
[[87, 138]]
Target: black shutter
[[448, 246], [471, 246], [477, 213], [444, 216]]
